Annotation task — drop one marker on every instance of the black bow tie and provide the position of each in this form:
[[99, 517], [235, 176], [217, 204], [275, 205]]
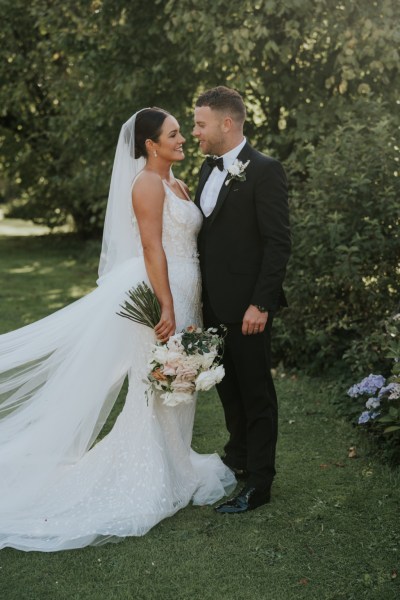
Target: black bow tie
[[214, 161]]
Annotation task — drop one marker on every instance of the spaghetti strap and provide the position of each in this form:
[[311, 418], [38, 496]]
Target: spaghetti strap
[[186, 198], [183, 189], [134, 180]]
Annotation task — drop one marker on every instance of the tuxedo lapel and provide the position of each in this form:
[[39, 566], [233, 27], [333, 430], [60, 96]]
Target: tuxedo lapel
[[204, 175], [243, 156]]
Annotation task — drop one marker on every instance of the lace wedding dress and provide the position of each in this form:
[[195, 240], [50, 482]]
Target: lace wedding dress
[[59, 491]]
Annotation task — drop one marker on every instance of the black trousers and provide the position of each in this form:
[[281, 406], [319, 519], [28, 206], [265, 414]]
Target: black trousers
[[248, 397]]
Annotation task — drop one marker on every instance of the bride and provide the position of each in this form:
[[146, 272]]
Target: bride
[[60, 376]]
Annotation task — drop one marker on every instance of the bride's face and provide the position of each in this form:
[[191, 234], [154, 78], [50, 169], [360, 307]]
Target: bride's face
[[209, 129], [170, 142]]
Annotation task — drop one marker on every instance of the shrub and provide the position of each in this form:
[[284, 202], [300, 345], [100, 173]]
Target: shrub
[[343, 278], [374, 407]]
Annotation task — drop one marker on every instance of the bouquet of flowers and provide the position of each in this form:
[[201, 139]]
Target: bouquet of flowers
[[187, 363]]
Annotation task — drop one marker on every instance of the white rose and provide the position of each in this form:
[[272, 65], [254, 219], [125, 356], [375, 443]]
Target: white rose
[[234, 169], [193, 361], [206, 380], [162, 355], [159, 354], [174, 343], [175, 398], [207, 359]]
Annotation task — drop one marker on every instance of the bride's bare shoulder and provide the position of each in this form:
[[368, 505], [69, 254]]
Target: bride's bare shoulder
[[148, 186]]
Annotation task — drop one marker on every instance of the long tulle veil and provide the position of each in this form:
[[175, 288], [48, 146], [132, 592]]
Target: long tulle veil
[[60, 376], [117, 234]]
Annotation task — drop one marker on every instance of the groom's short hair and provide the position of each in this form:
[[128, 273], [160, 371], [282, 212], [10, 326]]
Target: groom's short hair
[[224, 99]]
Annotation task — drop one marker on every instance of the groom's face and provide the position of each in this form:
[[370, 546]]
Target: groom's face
[[209, 130]]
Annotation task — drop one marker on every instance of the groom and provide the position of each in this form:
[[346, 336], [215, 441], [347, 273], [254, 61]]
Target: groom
[[244, 247]]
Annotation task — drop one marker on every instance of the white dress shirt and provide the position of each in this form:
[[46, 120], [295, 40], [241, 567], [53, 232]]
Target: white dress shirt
[[214, 183]]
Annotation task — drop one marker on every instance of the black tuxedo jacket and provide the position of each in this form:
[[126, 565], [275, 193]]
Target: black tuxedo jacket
[[244, 245]]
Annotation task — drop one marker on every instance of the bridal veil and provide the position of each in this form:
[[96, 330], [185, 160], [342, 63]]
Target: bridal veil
[[43, 420]]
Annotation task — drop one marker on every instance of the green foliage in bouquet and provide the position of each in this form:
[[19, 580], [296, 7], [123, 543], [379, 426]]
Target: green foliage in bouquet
[[196, 340], [142, 307]]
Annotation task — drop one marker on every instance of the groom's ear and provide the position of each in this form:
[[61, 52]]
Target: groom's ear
[[227, 124]]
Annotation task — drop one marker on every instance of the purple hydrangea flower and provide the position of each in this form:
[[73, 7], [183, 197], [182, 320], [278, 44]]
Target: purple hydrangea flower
[[367, 416], [364, 417], [372, 403], [369, 385], [353, 391]]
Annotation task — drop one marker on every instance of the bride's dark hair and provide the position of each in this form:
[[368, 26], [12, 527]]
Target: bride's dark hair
[[148, 126]]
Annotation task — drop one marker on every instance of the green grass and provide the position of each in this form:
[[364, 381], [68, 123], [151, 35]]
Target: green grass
[[41, 274], [330, 532]]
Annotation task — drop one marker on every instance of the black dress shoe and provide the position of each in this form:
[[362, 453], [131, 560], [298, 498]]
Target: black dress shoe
[[239, 473], [247, 499]]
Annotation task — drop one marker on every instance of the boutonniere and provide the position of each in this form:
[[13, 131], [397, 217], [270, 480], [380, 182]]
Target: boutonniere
[[237, 171]]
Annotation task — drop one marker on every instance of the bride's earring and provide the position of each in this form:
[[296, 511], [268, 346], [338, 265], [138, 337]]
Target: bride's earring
[[155, 153]]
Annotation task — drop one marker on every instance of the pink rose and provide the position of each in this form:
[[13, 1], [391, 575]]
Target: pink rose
[[187, 373], [182, 386], [169, 369]]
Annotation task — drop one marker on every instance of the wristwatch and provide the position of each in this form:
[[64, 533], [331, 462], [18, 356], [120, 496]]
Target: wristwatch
[[261, 308]]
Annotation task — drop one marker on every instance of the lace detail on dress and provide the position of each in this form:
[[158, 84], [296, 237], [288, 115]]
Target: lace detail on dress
[[181, 224]]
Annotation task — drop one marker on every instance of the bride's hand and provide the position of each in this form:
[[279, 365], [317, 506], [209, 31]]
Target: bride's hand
[[166, 325]]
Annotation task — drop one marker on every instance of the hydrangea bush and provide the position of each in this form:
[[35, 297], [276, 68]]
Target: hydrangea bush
[[376, 399], [383, 403]]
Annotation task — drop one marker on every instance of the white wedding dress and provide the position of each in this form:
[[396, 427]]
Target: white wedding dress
[[58, 490]]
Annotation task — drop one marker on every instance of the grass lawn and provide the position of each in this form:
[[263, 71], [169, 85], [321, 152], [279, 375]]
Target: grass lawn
[[330, 532]]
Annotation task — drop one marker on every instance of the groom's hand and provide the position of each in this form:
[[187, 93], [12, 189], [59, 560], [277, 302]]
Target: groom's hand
[[254, 321]]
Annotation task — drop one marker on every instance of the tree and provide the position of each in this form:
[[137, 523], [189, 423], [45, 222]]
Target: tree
[[344, 277], [319, 78], [73, 74]]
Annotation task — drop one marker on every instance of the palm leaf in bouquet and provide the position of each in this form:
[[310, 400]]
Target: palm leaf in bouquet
[[142, 306]]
